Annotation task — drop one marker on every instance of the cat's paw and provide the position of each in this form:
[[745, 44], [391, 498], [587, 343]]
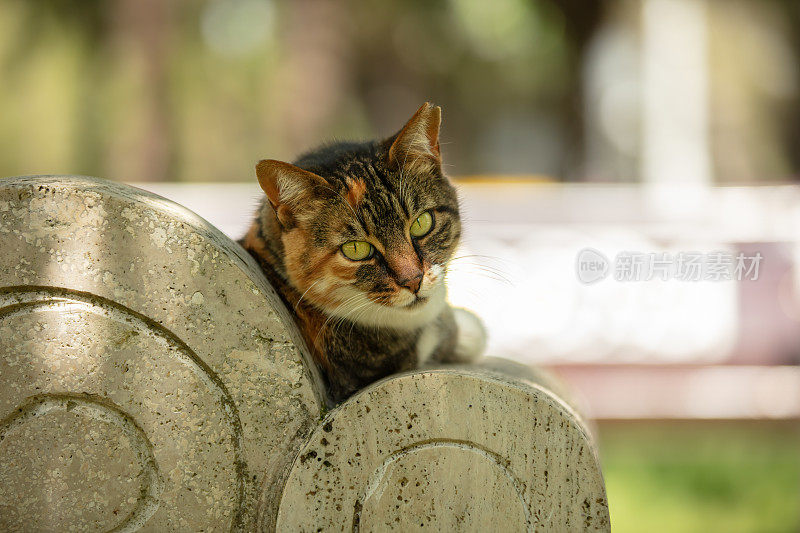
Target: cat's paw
[[471, 340]]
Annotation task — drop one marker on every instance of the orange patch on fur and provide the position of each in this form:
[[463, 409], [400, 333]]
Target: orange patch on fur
[[344, 271], [295, 242], [355, 192], [253, 242], [304, 270], [311, 322], [309, 319]]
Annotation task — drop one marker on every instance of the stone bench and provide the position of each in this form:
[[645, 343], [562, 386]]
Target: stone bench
[[151, 379]]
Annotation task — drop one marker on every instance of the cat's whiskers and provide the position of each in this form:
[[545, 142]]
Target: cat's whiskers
[[363, 308], [486, 274], [501, 275], [354, 315], [498, 273], [466, 256], [331, 316], [350, 304], [456, 265], [356, 320], [355, 303], [306, 292]]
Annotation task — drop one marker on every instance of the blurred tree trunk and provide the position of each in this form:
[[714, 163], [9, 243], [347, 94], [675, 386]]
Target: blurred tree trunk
[[315, 72], [582, 20], [148, 24], [792, 118]]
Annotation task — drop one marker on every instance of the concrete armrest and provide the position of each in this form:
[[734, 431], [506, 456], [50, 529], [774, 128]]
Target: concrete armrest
[[449, 449], [151, 379]]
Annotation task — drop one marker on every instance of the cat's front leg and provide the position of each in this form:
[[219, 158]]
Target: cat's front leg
[[462, 337]]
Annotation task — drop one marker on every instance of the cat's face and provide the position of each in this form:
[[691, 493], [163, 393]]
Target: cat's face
[[367, 230]]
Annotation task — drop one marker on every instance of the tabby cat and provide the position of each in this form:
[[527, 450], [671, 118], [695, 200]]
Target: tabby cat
[[356, 238]]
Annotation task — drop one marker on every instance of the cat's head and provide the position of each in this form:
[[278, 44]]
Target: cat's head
[[367, 229]]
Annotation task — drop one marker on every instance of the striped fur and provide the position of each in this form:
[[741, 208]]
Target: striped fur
[[359, 320]]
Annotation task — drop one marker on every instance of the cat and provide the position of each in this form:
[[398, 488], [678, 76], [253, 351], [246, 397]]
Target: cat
[[356, 239]]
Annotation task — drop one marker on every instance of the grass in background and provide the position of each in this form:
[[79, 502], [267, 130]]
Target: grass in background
[[702, 476]]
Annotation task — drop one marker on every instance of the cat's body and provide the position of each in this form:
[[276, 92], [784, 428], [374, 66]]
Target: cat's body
[[356, 238]]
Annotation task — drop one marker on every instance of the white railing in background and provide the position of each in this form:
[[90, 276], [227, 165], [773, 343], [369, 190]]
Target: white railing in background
[[521, 243]]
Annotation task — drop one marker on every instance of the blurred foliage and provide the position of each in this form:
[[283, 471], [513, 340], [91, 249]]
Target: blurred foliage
[[705, 477], [199, 90], [148, 90]]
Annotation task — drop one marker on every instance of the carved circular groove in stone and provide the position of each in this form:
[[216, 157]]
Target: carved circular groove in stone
[[448, 449], [32, 304], [431, 471], [35, 413], [225, 417]]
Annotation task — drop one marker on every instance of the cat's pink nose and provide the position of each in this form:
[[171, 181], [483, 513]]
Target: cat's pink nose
[[412, 284]]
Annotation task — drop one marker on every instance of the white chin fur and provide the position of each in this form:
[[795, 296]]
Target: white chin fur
[[364, 311]]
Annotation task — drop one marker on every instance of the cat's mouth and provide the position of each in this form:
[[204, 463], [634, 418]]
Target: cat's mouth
[[416, 302]]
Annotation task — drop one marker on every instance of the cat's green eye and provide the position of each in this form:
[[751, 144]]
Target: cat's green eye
[[357, 250], [422, 225]]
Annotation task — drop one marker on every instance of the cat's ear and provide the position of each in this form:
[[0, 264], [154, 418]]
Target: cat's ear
[[416, 147], [288, 188]]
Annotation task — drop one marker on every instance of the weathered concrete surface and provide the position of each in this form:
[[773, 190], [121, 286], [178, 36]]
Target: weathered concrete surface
[[149, 377], [448, 450]]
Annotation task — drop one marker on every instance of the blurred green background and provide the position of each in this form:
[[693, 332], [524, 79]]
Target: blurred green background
[[702, 476], [197, 90]]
